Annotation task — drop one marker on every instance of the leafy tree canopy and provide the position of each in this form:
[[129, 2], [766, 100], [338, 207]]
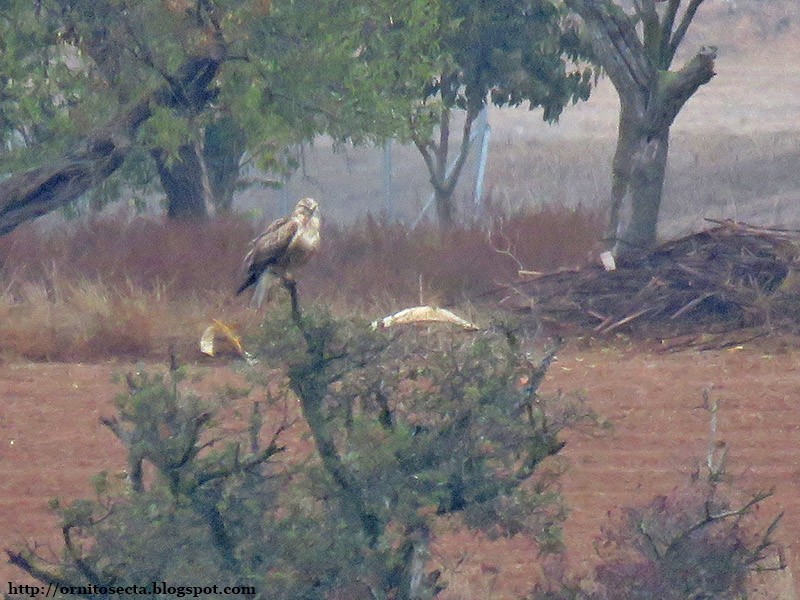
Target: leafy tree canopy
[[210, 84]]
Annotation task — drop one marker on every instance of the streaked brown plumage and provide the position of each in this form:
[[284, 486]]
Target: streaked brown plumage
[[285, 245]]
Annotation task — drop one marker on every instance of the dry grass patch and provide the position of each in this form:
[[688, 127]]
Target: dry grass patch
[[89, 321], [135, 287], [380, 265]]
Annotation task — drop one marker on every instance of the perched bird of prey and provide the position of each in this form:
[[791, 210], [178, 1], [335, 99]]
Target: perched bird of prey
[[285, 245]]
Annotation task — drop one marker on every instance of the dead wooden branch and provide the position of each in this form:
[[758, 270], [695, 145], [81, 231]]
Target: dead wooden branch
[[722, 279]]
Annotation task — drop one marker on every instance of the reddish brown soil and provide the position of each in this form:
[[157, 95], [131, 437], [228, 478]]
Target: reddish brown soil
[[51, 443]]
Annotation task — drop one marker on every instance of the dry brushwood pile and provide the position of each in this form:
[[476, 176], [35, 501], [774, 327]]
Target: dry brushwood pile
[[730, 277]]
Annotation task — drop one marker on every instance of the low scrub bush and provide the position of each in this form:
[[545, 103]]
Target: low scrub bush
[[408, 426], [703, 540], [692, 543]]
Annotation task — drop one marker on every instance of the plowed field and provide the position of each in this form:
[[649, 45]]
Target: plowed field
[[51, 443]]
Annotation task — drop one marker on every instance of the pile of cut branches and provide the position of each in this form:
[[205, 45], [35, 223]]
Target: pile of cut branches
[[729, 277]]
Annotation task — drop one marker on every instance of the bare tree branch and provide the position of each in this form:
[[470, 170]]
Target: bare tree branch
[[667, 23], [710, 518], [51, 579], [85, 570], [686, 21], [616, 43]]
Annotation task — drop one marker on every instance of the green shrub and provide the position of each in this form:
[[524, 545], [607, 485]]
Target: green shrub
[[408, 425]]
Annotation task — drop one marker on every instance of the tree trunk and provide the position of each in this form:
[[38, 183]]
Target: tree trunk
[[202, 179], [445, 210], [416, 584], [309, 382], [646, 191], [621, 173], [637, 60], [444, 177], [183, 182], [224, 148], [638, 175]]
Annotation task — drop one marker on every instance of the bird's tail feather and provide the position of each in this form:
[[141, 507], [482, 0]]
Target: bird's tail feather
[[251, 280]]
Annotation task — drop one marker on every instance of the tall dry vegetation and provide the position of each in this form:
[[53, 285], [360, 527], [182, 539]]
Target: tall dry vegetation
[[134, 286], [114, 286], [378, 265]]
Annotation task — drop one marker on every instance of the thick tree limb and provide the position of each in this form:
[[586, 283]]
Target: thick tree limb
[[651, 27], [424, 148], [37, 192], [309, 383], [463, 152], [667, 23], [683, 26], [443, 149], [673, 90], [40, 574], [617, 45]]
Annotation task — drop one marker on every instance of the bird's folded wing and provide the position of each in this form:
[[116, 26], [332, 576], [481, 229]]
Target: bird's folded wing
[[271, 243]]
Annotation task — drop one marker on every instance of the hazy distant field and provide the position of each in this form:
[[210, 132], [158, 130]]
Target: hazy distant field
[[735, 148]]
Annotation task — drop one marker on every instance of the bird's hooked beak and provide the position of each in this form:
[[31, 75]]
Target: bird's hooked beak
[[307, 205]]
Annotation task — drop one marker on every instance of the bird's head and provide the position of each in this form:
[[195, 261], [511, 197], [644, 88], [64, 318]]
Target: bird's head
[[306, 207]]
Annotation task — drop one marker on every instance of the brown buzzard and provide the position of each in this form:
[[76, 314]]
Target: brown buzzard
[[285, 245]]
